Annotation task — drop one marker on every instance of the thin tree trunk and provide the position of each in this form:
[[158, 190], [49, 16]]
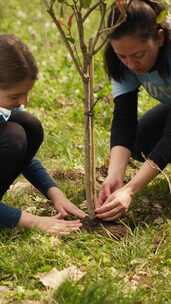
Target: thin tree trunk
[[90, 174]]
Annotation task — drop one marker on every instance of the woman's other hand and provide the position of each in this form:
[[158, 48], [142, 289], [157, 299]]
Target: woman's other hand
[[110, 185], [116, 205]]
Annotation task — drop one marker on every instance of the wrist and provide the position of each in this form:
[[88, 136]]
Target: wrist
[[55, 194], [144, 175], [132, 188], [127, 189], [28, 220]]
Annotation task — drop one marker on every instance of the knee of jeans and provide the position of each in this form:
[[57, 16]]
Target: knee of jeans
[[16, 142], [38, 130], [34, 126]]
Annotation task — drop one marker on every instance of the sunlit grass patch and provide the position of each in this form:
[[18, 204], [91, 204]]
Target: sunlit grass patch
[[136, 269]]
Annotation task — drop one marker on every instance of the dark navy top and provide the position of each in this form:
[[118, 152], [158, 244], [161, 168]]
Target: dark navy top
[[37, 175]]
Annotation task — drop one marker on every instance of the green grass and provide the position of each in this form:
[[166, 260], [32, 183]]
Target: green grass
[[136, 269]]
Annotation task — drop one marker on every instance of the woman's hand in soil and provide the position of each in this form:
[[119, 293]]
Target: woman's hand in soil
[[109, 185], [116, 205], [51, 225]]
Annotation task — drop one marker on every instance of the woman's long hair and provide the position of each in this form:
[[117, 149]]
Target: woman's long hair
[[141, 22]]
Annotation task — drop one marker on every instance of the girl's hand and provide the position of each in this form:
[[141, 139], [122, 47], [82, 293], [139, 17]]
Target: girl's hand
[[116, 205], [51, 225], [56, 226], [65, 207], [110, 185]]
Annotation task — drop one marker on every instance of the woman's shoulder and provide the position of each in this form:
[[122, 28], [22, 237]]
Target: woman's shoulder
[[128, 84]]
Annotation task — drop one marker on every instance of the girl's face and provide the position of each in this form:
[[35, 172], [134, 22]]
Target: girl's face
[[138, 55], [17, 95]]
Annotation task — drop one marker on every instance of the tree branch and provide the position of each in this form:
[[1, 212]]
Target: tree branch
[[68, 45], [90, 11], [83, 47], [100, 46], [103, 13]]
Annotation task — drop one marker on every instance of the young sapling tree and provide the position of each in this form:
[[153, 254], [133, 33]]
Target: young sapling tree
[[82, 48]]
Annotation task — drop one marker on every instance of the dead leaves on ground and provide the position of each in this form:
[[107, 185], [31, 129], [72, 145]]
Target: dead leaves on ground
[[133, 281], [21, 187], [51, 280], [3, 291], [54, 278]]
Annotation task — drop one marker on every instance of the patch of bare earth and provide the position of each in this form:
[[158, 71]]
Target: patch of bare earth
[[107, 229]]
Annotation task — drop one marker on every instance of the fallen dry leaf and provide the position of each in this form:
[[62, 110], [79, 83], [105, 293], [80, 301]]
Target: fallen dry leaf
[[55, 241], [83, 205], [134, 280], [20, 187], [3, 291], [55, 278], [158, 221]]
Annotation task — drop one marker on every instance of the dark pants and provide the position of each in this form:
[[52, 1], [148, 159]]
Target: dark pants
[[20, 139], [149, 131]]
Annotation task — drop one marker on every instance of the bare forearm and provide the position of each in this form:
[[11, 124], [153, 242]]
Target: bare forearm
[[118, 161], [48, 224], [119, 201], [28, 220], [145, 174], [54, 194]]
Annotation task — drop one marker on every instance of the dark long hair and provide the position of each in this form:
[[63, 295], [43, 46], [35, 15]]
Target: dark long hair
[[16, 62], [141, 22]]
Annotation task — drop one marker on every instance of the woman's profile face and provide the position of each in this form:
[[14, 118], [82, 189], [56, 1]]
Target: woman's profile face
[[137, 54]]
